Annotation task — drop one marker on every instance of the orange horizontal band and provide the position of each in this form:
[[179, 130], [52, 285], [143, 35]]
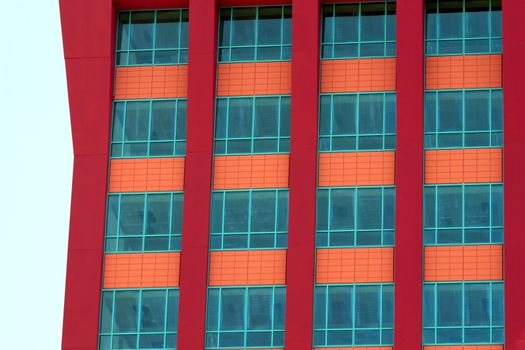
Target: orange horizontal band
[[151, 82], [257, 171], [358, 75], [464, 347], [464, 263], [261, 78], [459, 72], [354, 265], [356, 169], [247, 267], [146, 174], [463, 166], [148, 270]]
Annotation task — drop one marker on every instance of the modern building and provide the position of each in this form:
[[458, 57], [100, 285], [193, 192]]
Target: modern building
[[265, 174]]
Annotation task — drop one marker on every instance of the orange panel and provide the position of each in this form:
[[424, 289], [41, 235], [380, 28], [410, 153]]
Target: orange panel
[[356, 169], [149, 270], [354, 265], [262, 78], [257, 171], [370, 74], [463, 165], [464, 347], [458, 72], [464, 263], [151, 82], [146, 174], [247, 267]]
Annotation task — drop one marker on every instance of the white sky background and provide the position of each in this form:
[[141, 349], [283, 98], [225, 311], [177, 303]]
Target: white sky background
[[35, 175]]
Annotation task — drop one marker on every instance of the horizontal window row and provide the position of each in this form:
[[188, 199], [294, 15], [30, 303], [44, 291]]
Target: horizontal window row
[[144, 222], [245, 317], [359, 30], [149, 129], [152, 37], [463, 214], [463, 27], [349, 122], [463, 313], [355, 217], [465, 118], [255, 33], [255, 219], [354, 315], [246, 125], [139, 319]]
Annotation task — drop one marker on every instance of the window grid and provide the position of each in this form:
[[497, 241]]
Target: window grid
[[438, 46], [109, 340], [118, 242], [433, 139], [430, 333], [178, 54], [431, 234], [329, 48], [357, 141]]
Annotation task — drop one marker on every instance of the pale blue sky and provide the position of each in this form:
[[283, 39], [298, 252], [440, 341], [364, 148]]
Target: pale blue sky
[[35, 173]]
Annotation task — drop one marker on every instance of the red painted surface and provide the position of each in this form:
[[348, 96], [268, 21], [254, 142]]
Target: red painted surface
[[198, 173], [408, 274], [88, 51], [303, 175], [513, 171]]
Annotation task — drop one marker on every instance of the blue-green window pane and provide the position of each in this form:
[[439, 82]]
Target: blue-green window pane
[[373, 22], [232, 309], [142, 30]]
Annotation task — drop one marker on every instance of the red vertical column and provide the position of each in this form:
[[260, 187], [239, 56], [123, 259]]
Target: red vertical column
[[198, 173], [303, 175], [514, 169], [408, 258], [88, 28]]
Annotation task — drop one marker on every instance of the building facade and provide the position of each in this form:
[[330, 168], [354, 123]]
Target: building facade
[[263, 174]]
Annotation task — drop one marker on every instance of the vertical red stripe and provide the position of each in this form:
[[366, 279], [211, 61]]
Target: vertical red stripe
[[409, 175], [303, 175], [198, 173], [87, 28], [514, 169]]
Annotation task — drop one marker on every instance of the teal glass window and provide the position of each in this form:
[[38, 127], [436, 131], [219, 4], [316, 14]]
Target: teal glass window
[[249, 125], [463, 214], [152, 37], [457, 27], [463, 118], [140, 222], [245, 317], [358, 30], [255, 34], [139, 319], [355, 216], [252, 219], [151, 128], [357, 122], [353, 315], [463, 313]]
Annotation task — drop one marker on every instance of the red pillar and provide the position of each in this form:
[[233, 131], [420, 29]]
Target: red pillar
[[409, 175], [198, 173], [303, 175]]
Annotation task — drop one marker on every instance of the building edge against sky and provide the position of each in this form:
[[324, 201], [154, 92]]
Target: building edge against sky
[[182, 257]]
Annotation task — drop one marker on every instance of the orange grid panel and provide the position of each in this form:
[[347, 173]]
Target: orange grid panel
[[356, 169], [151, 82], [146, 174], [247, 267], [359, 348], [261, 78], [464, 263], [356, 75], [257, 171], [463, 166], [464, 347], [459, 72], [149, 270], [354, 265]]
